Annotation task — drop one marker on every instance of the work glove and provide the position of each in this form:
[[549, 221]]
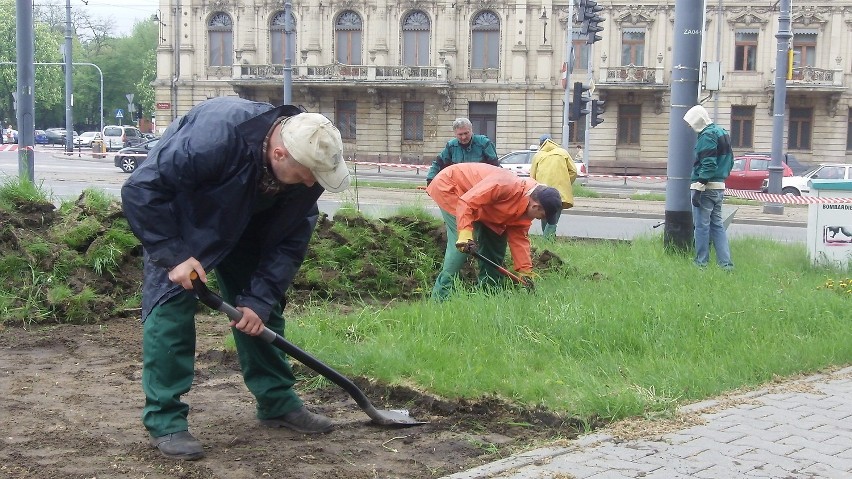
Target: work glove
[[696, 198], [465, 243], [428, 180]]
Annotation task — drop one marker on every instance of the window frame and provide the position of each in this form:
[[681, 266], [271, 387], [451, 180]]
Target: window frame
[[413, 116], [745, 51], [742, 126], [416, 39], [800, 128], [485, 41], [629, 125], [220, 32], [346, 118], [278, 38]]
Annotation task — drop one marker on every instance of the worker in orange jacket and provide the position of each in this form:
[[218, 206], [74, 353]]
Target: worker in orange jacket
[[485, 208]]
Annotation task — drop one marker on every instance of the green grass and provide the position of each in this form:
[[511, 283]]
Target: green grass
[[625, 330]]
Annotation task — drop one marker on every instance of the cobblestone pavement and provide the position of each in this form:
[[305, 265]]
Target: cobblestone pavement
[[798, 429]]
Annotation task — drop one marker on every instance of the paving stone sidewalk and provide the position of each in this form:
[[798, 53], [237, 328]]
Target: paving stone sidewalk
[[798, 429]]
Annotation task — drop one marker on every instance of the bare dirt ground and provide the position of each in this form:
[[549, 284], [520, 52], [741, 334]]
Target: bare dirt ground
[[70, 401]]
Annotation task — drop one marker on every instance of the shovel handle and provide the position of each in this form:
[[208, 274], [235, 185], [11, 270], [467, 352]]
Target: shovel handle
[[506, 272]]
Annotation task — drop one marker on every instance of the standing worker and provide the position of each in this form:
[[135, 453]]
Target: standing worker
[[464, 148], [232, 186], [553, 166], [484, 208], [714, 159]]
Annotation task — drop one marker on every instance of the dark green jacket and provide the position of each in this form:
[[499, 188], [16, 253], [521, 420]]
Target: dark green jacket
[[480, 149], [713, 155]]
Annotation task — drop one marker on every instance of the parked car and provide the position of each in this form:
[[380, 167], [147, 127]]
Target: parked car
[[117, 137], [129, 158], [791, 161], [85, 139], [798, 185], [749, 171], [520, 161], [56, 136], [40, 138]]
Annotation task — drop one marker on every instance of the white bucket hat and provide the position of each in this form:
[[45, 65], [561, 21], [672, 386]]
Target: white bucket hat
[[314, 142]]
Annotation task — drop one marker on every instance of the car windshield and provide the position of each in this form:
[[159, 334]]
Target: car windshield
[[811, 171], [515, 159]]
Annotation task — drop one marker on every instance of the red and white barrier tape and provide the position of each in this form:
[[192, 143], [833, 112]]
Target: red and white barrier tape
[[388, 165], [788, 199]]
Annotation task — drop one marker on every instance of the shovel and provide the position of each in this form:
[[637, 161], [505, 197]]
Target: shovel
[[517, 279], [381, 417]]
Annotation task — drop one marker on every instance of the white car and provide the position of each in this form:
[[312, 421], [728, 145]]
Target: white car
[[85, 139], [520, 162], [798, 185]]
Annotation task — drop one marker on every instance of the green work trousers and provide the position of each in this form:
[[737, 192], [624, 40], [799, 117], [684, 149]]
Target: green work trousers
[[168, 356], [491, 245]]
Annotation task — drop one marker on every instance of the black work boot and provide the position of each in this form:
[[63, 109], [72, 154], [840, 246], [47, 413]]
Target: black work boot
[[179, 445], [301, 420]]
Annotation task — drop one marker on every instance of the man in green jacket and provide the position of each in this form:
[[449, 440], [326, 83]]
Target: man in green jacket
[[713, 161], [464, 148]]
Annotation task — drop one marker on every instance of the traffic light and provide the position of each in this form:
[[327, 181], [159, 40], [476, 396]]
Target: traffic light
[[578, 104], [597, 111], [591, 20]]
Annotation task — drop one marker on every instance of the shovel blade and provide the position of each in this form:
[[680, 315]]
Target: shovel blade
[[393, 417]]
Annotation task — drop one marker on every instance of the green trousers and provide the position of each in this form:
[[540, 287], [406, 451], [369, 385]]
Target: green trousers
[[168, 356], [491, 245]]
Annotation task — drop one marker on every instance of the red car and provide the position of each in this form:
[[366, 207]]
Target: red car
[[749, 172]]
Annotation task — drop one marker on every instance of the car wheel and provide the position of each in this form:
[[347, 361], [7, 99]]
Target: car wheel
[[791, 191], [127, 163]]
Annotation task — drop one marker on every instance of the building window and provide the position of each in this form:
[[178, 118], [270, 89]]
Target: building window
[[745, 51], [742, 126], [348, 38], [485, 41], [278, 39], [412, 121], [483, 117], [581, 50], [629, 124], [849, 131], [220, 34], [346, 118], [577, 132], [415, 39], [632, 47], [800, 129], [804, 49]]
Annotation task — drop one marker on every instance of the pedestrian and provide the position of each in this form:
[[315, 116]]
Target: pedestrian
[[485, 208], [231, 186], [578, 156], [553, 166], [464, 148], [713, 161]]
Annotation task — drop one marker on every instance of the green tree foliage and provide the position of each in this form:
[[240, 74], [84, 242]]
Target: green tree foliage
[[48, 91]]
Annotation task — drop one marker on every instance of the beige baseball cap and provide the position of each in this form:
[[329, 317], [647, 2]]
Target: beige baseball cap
[[315, 142]]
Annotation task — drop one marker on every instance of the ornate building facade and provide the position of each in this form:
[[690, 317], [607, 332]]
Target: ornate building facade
[[393, 75]]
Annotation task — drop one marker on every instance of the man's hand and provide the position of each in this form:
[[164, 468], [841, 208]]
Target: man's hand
[[696, 198], [250, 323], [465, 243], [180, 273], [527, 277]]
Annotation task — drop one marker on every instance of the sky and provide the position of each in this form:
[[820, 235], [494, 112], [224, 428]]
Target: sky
[[124, 13]]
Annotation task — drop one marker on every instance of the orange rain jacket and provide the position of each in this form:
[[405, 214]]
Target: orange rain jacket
[[491, 195]]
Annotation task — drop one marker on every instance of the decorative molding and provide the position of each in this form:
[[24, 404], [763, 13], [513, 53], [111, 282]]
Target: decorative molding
[[635, 16], [376, 95], [809, 17], [446, 99], [749, 17], [831, 103]]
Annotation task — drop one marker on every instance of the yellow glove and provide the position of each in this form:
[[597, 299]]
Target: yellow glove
[[465, 243]]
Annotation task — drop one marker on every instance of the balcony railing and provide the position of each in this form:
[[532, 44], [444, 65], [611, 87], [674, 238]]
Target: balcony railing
[[341, 72], [631, 74], [816, 76]]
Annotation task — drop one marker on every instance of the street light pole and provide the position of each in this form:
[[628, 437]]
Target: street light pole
[[25, 37], [69, 88], [288, 61], [569, 60]]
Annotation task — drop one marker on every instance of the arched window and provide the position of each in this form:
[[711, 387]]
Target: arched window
[[348, 42], [485, 41], [220, 34], [278, 38], [415, 39]]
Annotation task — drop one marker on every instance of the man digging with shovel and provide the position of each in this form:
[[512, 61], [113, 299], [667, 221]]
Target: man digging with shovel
[[233, 186], [485, 208]]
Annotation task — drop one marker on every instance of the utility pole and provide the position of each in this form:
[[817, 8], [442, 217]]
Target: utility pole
[[69, 90], [569, 60], [288, 61], [25, 37], [688, 31], [782, 66]]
